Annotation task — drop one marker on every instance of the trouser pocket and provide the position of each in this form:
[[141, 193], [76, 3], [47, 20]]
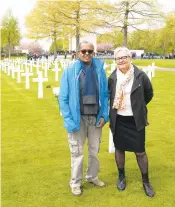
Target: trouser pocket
[[73, 145]]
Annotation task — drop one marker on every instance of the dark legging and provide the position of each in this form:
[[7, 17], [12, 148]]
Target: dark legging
[[142, 161]]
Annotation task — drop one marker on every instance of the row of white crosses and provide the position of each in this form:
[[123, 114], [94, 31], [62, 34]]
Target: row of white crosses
[[10, 67], [150, 71]]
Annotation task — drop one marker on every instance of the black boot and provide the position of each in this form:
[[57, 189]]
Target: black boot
[[147, 186], [121, 184]]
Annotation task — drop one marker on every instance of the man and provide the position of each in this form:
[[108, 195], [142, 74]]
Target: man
[[83, 103]]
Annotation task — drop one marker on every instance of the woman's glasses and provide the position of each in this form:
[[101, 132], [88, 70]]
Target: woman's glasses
[[86, 51], [122, 58]]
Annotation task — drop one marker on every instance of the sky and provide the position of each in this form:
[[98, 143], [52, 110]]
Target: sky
[[21, 8]]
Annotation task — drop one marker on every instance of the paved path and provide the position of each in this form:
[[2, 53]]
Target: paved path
[[159, 68]]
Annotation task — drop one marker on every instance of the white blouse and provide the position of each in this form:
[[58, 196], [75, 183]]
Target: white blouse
[[127, 111]]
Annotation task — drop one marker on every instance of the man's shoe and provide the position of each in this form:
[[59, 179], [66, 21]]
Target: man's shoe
[[97, 182], [121, 184], [76, 191], [148, 189]]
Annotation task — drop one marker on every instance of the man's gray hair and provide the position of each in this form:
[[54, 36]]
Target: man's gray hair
[[122, 50], [84, 42]]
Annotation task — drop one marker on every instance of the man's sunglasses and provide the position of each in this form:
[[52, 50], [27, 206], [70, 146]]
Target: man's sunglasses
[[86, 51]]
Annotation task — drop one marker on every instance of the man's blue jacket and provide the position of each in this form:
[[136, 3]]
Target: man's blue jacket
[[69, 96]]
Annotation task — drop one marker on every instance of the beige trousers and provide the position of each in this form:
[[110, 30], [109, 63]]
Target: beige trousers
[[76, 141]]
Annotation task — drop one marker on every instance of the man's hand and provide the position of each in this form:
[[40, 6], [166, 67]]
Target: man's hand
[[101, 122]]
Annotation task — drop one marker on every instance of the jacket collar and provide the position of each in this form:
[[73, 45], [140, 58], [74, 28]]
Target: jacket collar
[[97, 64], [113, 76], [136, 71]]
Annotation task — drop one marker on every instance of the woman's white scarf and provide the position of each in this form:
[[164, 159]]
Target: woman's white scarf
[[119, 94]]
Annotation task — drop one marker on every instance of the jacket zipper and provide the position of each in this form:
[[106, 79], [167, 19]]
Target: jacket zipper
[[77, 94], [135, 88]]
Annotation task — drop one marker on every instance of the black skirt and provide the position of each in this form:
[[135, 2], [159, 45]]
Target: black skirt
[[126, 136]]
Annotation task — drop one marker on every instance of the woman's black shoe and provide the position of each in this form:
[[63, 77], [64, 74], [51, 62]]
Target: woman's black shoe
[[148, 189], [121, 184]]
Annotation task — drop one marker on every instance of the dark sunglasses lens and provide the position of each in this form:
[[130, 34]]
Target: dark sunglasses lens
[[85, 51], [90, 51]]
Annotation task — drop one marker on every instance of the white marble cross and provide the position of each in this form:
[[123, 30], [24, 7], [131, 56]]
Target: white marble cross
[[40, 81], [13, 71], [37, 66], [31, 65], [56, 70], [111, 143], [9, 68], [45, 69], [153, 69], [148, 71], [18, 70], [27, 74], [14, 68], [5, 66]]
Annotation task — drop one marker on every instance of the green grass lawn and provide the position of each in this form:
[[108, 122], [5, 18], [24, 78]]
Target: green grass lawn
[[36, 159], [159, 63]]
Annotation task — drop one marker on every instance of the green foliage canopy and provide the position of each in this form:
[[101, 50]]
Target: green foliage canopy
[[10, 32]]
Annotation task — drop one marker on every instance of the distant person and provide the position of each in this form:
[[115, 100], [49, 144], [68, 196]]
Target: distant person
[[130, 91], [83, 102], [133, 55], [65, 55], [73, 55], [35, 56]]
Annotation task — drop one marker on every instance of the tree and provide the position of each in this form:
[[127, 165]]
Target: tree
[[10, 32], [114, 38], [166, 35], [62, 45], [82, 16], [127, 14], [104, 47], [64, 18], [170, 26], [32, 47], [43, 22], [144, 40]]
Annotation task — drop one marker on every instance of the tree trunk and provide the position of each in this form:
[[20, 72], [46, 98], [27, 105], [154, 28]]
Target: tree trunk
[[77, 40], [125, 28], [77, 28], [9, 48], [55, 45]]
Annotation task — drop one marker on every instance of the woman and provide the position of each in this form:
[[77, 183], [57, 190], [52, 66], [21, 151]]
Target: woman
[[130, 91]]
